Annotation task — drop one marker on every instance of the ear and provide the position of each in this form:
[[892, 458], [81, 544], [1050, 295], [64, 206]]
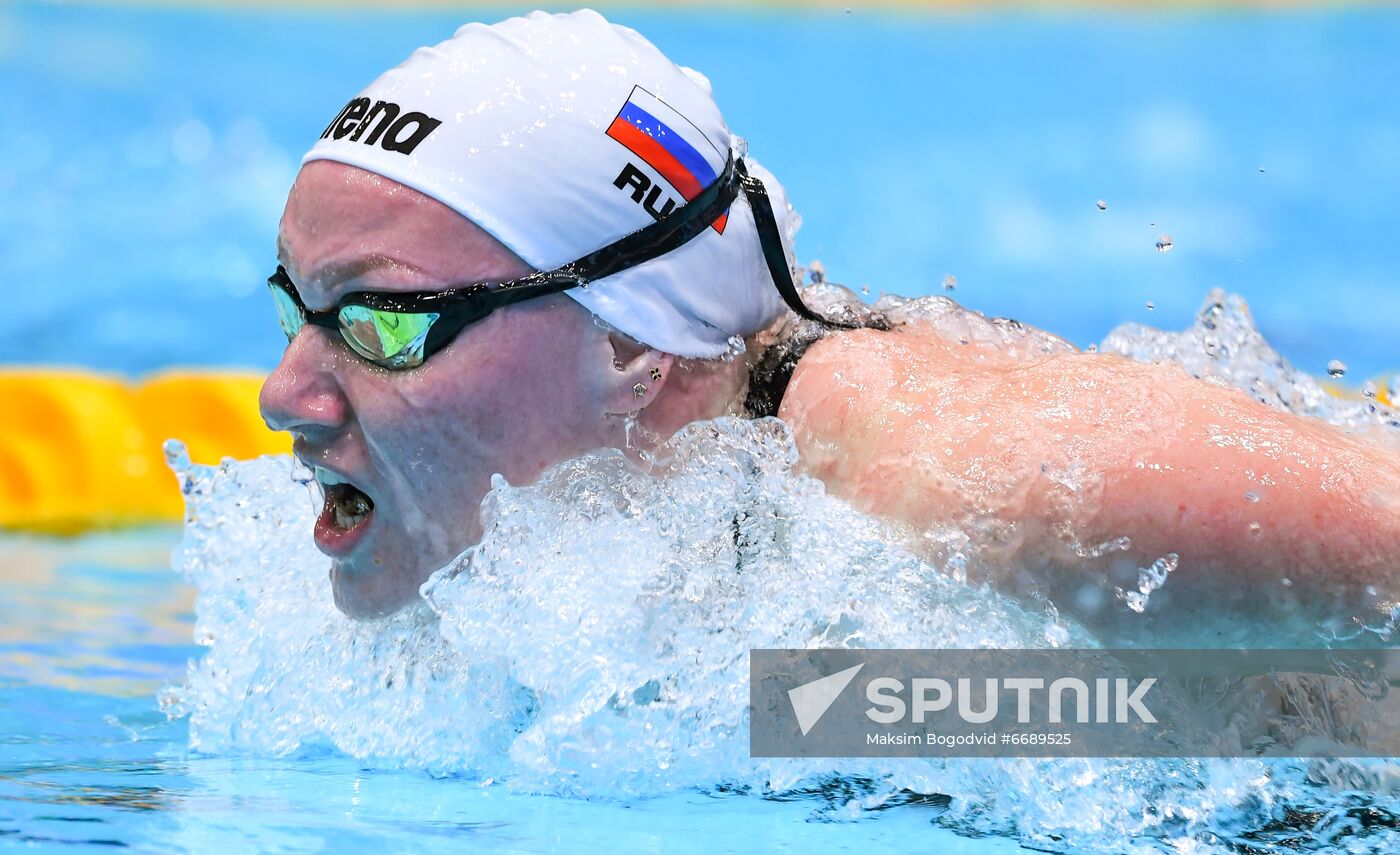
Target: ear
[[638, 374]]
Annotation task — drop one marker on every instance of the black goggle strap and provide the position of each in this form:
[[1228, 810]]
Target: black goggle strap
[[650, 242], [771, 240], [480, 303], [673, 231], [666, 234]]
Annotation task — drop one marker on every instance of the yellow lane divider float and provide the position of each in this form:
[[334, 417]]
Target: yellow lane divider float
[[81, 451]]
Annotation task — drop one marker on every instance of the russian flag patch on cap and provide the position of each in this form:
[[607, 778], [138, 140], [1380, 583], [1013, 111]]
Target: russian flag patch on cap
[[668, 142]]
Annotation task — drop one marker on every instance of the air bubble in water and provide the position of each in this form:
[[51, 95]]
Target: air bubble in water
[[816, 272], [1149, 579], [1101, 205], [1251, 496], [1336, 368], [950, 282], [1392, 390], [1164, 243], [1368, 389], [1255, 529], [1151, 305], [865, 289]]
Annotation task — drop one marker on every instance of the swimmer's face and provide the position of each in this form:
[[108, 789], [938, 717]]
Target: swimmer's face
[[528, 386]]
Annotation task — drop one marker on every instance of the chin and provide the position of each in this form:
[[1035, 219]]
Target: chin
[[368, 596]]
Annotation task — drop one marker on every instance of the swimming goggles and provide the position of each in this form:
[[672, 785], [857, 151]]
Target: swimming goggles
[[399, 331]]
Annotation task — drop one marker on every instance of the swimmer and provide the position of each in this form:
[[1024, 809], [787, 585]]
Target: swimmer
[[539, 239]]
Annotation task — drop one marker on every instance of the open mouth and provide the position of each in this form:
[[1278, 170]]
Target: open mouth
[[345, 514]]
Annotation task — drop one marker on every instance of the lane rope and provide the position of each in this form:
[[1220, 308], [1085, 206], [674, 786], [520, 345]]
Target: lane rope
[[81, 450]]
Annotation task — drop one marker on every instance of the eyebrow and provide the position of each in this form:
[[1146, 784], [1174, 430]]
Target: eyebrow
[[347, 271]]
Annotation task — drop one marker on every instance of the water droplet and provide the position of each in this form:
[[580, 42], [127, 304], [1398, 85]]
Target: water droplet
[[1150, 579], [1164, 243], [1101, 205], [1151, 305], [1251, 496], [1336, 368], [177, 455], [950, 282]]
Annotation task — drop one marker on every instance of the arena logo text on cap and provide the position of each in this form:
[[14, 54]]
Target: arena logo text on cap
[[358, 117]]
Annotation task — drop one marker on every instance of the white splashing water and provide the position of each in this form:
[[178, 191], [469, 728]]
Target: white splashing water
[[595, 642], [1225, 344]]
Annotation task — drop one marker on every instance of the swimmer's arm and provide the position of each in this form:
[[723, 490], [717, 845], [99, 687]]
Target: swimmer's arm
[[1229, 484], [1051, 459]]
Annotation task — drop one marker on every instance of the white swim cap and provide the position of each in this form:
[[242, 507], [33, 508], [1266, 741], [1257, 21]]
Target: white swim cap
[[560, 134]]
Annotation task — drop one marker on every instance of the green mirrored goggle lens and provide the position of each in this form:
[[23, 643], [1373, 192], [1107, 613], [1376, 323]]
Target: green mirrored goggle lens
[[386, 338], [288, 312], [390, 339]]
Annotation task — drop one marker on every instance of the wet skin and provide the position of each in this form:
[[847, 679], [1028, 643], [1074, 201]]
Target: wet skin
[[529, 386], [1042, 461], [1051, 458]]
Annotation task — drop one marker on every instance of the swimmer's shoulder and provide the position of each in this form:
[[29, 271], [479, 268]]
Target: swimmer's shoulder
[[852, 374], [867, 361]]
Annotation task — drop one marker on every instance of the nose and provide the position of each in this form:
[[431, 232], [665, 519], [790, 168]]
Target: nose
[[303, 395]]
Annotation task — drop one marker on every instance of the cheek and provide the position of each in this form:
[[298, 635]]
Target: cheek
[[498, 400]]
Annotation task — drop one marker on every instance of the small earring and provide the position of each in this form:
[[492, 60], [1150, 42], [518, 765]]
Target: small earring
[[656, 374], [639, 390]]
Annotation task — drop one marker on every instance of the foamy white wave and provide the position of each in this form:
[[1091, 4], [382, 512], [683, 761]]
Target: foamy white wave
[[596, 643], [1224, 344], [606, 612]]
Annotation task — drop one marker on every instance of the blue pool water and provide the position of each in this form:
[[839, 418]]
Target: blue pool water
[[142, 168], [91, 629], [288, 727]]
